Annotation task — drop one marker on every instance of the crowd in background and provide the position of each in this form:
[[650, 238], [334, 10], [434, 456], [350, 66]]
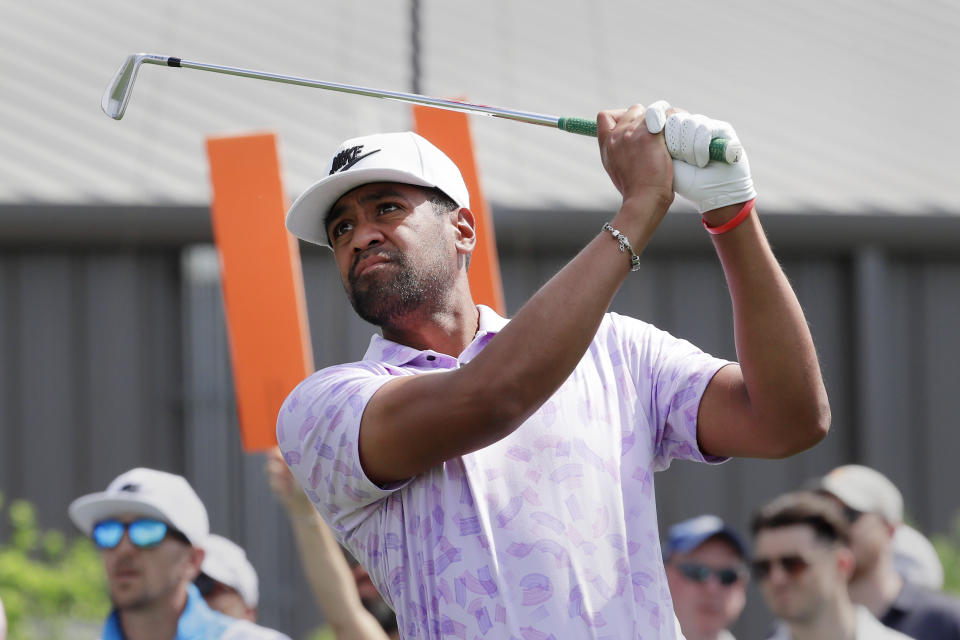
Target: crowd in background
[[833, 559]]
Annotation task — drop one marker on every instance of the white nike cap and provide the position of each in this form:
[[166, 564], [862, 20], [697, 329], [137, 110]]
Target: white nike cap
[[227, 563], [384, 157]]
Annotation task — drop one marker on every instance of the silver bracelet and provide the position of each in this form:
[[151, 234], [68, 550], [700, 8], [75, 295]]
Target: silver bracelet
[[624, 246]]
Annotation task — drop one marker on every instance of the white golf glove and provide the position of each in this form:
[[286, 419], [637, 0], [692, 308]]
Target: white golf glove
[[709, 185]]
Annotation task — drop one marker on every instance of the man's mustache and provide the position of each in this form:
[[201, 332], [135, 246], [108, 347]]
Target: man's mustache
[[391, 256]]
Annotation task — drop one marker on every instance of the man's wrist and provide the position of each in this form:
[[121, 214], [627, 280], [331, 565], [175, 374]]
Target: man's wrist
[[721, 216], [639, 217], [644, 204]]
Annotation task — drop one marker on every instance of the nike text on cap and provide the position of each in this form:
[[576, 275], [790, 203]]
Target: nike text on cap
[[385, 157]]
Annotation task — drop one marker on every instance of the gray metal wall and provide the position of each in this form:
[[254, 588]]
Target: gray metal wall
[[113, 355]]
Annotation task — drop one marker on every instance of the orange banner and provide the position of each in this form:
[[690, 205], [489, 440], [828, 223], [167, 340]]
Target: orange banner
[[262, 282], [450, 131]]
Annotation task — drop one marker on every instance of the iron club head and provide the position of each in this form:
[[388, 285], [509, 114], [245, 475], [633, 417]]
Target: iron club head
[[115, 98], [117, 95]]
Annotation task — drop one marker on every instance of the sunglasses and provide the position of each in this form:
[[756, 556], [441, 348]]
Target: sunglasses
[[144, 533], [793, 566], [700, 573]]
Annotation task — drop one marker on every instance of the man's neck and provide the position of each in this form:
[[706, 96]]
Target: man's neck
[[449, 331], [837, 622], [877, 589], [157, 621]]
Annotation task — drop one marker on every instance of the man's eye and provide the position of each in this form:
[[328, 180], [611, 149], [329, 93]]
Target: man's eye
[[339, 229], [388, 207]]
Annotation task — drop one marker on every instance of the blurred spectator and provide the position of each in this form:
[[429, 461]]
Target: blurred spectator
[[328, 572], [228, 582], [874, 509], [150, 527], [802, 563], [3, 622], [915, 558], [705, 560]]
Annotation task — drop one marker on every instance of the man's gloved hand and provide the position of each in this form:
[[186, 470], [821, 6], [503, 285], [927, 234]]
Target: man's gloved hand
[[709, 185]]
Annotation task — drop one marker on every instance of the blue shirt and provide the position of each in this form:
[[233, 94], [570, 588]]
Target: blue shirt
[[199, 622]]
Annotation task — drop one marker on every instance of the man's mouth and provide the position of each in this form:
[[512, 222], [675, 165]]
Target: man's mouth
[[368, 263], [125, 573]]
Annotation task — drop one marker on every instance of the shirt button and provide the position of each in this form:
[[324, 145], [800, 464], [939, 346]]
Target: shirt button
[[431, 358]]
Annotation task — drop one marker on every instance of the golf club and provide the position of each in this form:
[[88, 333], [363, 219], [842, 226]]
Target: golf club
[[117, 95]]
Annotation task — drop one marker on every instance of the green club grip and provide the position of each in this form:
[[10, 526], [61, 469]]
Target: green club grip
[[719, 150], [582, 126]]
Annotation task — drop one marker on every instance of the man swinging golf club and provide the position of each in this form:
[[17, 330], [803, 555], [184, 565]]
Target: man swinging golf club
[[495, 477]]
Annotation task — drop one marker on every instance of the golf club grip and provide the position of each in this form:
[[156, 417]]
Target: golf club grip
[[585, 127]]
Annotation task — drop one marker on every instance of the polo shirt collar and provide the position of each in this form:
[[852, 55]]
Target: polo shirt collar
[[389, 352]]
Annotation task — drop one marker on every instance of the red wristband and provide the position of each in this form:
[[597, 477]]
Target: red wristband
[[733, 222]]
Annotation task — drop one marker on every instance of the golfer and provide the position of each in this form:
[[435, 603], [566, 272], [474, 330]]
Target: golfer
[[495, 477]]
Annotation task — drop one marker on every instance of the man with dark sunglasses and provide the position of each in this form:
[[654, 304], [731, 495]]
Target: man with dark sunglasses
[[705, 560], [874, 507], [150, 527], [802, 562]]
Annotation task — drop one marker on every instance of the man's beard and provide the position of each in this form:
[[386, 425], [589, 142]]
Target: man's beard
[[386, 298]]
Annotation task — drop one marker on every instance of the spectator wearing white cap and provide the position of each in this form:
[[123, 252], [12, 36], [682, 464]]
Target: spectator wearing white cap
[[915, 558], [150, 527], [227, 580], [874, 507], [706, 564]]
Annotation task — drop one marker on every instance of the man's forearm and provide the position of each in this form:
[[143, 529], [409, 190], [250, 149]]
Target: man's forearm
[[778, 360], [330, 578]]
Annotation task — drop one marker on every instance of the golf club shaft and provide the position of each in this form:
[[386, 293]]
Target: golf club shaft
[[118, 93]]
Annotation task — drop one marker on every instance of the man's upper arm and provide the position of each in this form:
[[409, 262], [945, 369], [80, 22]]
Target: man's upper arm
[[723, 416], [413, 423]]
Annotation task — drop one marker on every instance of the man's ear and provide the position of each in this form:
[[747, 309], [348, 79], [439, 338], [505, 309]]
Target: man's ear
[[845, 562], [466, 226], [195, 561]]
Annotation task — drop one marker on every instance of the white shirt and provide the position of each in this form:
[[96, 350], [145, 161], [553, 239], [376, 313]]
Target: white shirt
[[868, 628]]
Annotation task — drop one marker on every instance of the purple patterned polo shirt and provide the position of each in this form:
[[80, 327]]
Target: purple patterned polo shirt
[[550, 532]]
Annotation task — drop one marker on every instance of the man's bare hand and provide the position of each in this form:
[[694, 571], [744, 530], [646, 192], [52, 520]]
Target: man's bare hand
[[284, 485]]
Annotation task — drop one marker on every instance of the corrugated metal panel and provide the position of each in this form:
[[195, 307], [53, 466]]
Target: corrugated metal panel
[[839, 107], [98, 377], [91, 372]]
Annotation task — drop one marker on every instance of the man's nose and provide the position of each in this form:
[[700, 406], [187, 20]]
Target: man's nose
[[366, 235], [125, 546]]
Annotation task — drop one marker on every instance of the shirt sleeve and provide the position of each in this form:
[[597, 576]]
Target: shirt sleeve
[[671, 376], [318, 431]]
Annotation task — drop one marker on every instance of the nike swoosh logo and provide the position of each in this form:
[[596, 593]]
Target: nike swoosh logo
[[355, 161]]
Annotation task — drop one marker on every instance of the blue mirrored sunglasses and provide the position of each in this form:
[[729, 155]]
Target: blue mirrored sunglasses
[[144, 532]]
